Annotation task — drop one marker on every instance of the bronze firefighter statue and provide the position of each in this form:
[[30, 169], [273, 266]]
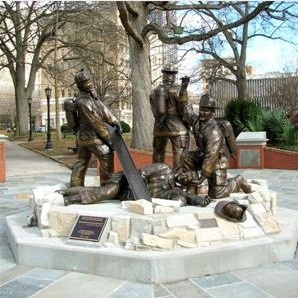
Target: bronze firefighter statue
[[93, 137], [168, 123], [210, 160], [158, 178]]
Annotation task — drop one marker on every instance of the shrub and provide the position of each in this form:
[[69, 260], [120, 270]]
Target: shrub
[[279, 129], [65, 128], [247, 116], [238, 112], [125, 127]]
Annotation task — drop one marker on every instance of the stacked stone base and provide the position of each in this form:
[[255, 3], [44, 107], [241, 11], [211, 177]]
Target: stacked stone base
[[154, 243], [152, 266], [140, 225]]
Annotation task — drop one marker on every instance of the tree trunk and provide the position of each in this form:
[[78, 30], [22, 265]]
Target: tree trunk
[[21, 102], [241, 85], [142, 128]]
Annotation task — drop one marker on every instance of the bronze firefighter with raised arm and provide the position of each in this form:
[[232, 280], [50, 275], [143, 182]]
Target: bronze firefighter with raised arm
[[93, 134], [168, 123], [210, 160]]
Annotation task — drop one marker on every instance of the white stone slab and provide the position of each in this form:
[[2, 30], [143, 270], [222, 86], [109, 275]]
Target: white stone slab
[[252, 138], [181, 220]]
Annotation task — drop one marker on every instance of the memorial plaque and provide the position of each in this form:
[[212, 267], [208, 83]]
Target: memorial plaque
[[89, 228], [250, 158]]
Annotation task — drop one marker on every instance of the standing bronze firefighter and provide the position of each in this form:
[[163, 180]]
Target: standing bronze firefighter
[[93, 134], [168, 121], [211, 158]]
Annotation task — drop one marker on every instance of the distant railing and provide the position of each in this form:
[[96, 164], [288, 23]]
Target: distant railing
[[275, 93]]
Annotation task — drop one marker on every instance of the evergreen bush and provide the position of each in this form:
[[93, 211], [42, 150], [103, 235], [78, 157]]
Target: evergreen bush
[[125, 127], [238, 112]]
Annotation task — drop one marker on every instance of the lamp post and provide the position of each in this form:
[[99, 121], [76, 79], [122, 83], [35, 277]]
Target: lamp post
[[49, 144], [30, 119]]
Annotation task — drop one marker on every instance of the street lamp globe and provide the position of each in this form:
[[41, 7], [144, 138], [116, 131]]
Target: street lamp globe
[[48, 92]]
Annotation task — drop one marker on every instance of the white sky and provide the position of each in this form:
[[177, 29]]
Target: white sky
[[272, 56]]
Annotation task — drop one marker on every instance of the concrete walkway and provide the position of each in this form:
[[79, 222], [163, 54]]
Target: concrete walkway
[[27, 170]]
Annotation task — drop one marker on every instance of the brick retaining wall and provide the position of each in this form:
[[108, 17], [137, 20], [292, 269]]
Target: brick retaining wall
[[280, 159], [273, 159]]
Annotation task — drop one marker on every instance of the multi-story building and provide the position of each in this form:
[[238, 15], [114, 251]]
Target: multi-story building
[[7, 105], [59, 72]]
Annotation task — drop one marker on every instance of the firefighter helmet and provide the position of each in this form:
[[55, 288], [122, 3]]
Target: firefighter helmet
[[82, 76], [207, 101]]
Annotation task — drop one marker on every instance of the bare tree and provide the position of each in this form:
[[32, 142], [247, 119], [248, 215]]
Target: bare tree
[[104, 52], [96, 41], [134, 17], [277, 22], [24, 30]]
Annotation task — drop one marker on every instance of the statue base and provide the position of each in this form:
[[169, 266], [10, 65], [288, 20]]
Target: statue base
[[30, 248]]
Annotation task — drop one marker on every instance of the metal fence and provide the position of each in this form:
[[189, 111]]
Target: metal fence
[[274, 93]]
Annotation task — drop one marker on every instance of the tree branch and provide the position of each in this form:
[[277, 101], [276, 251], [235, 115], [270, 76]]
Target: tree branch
[[199, 37], [123, 14]]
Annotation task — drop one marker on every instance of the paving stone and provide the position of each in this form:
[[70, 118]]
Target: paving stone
[[13, 272], [216, 280], [185, 289], [133, 289], [5, 252], [160, 291], [238, 290], [293, 264], [278, 280], [22, 287], [6, 264], [43, 273], [78, 285]]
